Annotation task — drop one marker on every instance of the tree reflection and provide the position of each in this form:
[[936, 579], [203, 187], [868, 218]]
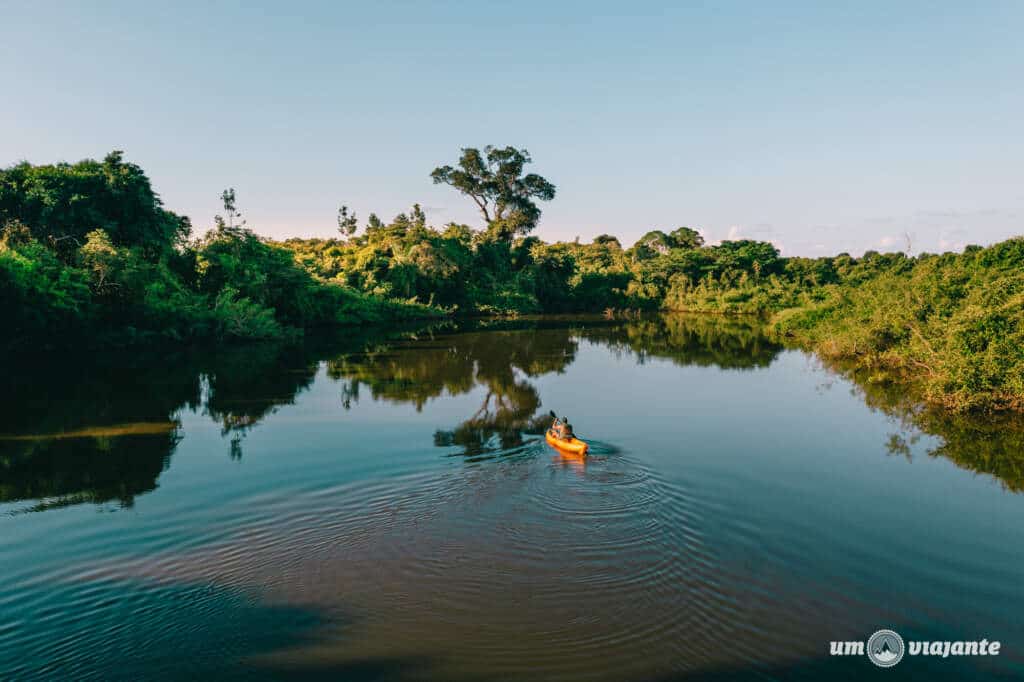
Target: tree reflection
[[501, 359], [103, 431], [701, 340], [250, 384], [63, 472], [98, 434], [990, 444]]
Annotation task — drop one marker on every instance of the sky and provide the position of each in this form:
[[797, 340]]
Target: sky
[[822, 127]]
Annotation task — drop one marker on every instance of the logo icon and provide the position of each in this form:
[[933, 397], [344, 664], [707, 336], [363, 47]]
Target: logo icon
[[885, 648]]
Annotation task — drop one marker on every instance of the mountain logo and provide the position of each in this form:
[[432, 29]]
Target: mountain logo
[[885, 648]]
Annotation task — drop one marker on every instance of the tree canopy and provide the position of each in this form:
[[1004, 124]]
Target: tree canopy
[[686, 238], [89, 256], [494, 180], [62, 203]]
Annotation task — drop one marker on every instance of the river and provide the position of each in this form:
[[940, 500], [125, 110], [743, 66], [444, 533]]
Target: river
[[384, 507]]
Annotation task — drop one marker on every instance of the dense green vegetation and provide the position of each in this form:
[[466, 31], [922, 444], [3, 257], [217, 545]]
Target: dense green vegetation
[[87, 251], [89, 254], [951, 326]]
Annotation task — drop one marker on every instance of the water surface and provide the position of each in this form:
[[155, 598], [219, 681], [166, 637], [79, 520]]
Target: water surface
[[385, 508]]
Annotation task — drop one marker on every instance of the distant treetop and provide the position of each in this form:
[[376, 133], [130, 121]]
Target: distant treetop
[[494, 180]]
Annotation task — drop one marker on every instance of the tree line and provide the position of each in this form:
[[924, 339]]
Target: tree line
[[88, 254]]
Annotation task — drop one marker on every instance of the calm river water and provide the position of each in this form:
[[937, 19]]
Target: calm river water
[[386, 509]]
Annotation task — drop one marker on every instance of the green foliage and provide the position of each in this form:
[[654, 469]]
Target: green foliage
[[348, 223], [652, 244], [608, 240], [952, 325], [686, 238], [239, 317], [88, 256], [62, 203], [472, 271], [40, 296], [494, 180]]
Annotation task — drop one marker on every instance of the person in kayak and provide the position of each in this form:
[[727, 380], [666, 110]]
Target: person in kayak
[[563, 429], [560, 435]]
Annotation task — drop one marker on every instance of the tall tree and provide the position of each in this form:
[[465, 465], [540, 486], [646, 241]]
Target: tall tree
[[347, 221], [227, 198], [686, 238], [494, 180], [652, 244]]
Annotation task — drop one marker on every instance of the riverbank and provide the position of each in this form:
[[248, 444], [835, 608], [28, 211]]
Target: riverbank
[[89, 257], [947, 328], [950, 327]]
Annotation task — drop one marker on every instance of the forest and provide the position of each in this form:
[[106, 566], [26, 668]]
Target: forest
[[90, 257]]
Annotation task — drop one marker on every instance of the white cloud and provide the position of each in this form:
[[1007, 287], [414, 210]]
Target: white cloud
[[949, 241], [757, 233]]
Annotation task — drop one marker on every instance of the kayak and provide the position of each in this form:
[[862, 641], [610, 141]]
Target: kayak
[[573, 445]]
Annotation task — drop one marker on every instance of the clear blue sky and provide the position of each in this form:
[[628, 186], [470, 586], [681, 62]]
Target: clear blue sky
[[819, 128]]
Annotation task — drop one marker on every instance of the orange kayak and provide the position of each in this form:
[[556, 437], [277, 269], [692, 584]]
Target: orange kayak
[[573, 445]]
